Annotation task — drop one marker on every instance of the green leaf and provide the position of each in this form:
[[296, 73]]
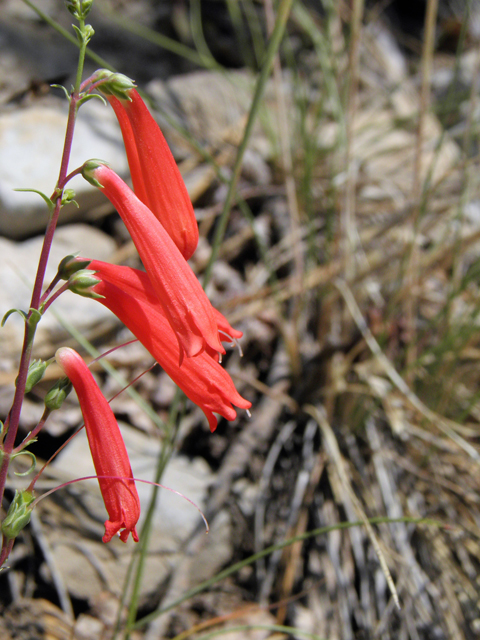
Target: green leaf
[[89, 97], [60, 86], [33, 460], [78, 32], [9, 313], [49, 203]]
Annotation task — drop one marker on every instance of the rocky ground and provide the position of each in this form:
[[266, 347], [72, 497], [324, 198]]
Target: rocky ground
[[350, 263]]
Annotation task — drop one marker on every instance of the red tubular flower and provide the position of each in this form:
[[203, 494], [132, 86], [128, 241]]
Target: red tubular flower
[[109, 454], [129, 294], [155, 175], [132, 153], [185, 303]]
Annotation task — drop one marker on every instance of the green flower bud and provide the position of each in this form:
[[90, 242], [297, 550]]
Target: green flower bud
[[68, 196], [57, 394], [88, 171], [82, 283], [114, 84], [70, 265], [18, 515], [88, 32], [36, 371], [79, 8]]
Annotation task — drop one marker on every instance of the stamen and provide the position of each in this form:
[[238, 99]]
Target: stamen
[[233, 342]]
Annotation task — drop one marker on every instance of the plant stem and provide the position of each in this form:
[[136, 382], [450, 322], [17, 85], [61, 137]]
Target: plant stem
[[13, 418]]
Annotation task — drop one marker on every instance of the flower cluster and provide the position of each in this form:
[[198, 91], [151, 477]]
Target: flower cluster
[[164, 306]]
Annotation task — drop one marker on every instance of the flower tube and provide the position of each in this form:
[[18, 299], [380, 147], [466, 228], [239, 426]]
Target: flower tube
[[109, 454], [129, 294], [156, 178], [185, 303]]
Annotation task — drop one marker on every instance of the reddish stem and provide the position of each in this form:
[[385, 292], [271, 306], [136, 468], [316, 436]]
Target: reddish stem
[[14, 414], [7, 547]]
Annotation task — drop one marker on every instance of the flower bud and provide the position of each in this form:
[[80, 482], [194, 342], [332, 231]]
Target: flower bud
[[114, 84], [82, 283], [36, 371], [79, 8], [57, 394], [18, 515], [70, 265], [68, 196]]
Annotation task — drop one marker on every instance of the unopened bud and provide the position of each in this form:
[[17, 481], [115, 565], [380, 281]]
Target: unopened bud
[[68, 196], [18, 515], [70, 265], [57, 394], [36, 371], [79, 8], [88, 32], [82, 283], [114, 84]]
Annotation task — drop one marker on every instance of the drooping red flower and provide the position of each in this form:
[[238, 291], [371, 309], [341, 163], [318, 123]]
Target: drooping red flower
[[129, 294], [185, 303], [156, 178], [109, 454]]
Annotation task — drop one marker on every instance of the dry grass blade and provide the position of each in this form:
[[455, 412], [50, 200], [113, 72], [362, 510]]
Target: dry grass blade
[[318, 414], [448, 427]]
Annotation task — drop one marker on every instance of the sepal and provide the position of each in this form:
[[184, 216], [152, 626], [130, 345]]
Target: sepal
[[70, 265], [58, 394], [18, 515], [113, 84], [82, 283], [89, 167], [36, 371]]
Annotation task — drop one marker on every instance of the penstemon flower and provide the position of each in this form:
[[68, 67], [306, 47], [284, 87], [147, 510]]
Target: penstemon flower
[[109, 454], [185, 303], [129, 294], [155, 175]]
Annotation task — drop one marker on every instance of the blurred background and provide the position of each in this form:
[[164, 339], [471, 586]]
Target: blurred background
[[350, 261]]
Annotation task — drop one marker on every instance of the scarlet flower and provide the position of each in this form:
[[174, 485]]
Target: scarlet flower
[[109, 454], [155, 175], [185, 303], [129, 294]]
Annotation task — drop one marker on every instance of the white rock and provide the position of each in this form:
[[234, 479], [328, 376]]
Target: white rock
[[31, 145], [17, 273]]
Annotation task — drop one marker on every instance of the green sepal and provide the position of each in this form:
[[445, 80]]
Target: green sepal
[[32, 458], [18, 515], [70, 265], [57, 394], [49, 203], [9, 313], [88, 169], [114, 84], [36, 371], [82, 282]]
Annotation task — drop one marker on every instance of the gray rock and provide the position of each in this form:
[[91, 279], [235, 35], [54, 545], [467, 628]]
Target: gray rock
[[31, 144], [89, 567], [17, 272]]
